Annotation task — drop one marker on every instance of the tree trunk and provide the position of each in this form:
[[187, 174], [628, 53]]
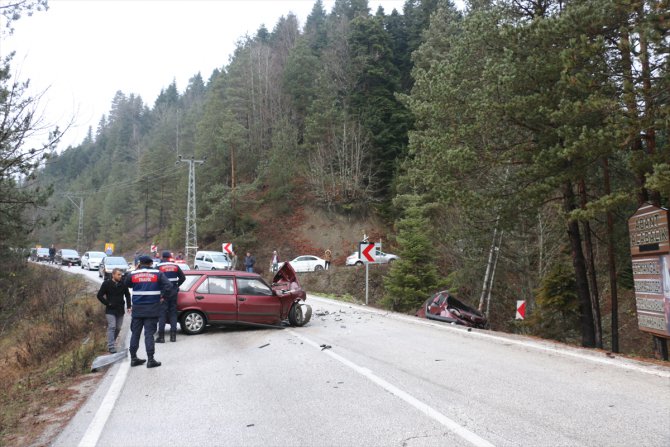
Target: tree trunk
[[591, 271], [579, 265], [611, 262]]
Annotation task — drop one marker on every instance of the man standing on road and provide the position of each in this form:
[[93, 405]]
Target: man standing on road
[[52, 253], [150, 287], [169, 305], [112, 294], [249, 262]]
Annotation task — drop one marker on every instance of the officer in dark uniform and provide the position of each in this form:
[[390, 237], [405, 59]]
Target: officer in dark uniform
[[149, 287], [169, 305]]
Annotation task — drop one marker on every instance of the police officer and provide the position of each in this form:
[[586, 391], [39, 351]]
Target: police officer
[[169, 305], [150, 287]]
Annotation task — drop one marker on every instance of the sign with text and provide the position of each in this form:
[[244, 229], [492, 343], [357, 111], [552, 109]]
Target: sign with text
[[650, 251], [109, 248], [227, 247]]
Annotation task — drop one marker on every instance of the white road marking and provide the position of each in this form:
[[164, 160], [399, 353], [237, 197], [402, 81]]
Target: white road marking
[[416, 403], [94, 430], [619, 362]]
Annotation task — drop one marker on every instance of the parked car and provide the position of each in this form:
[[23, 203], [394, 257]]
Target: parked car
[[67, 256], [39, 254], [224, 298], [380, 257], [444, 307], [109, 263], [307, 263], [211, 260], [91, 259]]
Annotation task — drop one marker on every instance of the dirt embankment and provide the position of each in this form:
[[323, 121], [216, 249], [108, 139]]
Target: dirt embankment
[[57, 327]]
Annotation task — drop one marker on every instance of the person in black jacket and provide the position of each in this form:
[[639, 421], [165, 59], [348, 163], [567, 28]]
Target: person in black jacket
[[113, 292]]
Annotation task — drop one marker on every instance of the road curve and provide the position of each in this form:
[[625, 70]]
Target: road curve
[[386, 379]]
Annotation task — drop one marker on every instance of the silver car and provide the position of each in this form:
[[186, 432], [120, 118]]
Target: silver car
[[109, 263], [380, 258], [91, 260]]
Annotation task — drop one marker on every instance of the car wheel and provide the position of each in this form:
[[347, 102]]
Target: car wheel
[[359, 263], [213, 269], [391, 261], [318, 267], [296, 316], [193, 322]]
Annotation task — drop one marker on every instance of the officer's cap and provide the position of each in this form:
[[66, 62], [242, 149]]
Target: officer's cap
[[144, 259], [166, 254]]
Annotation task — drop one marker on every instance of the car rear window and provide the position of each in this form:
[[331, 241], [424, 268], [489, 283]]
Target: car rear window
[[190, 280]]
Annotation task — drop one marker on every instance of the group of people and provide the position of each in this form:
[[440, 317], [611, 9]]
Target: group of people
[[153, 303]]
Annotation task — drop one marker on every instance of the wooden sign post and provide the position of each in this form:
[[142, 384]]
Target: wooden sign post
[[650, 253]]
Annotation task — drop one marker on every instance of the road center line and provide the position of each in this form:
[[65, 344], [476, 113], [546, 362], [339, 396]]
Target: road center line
[[416, 403]]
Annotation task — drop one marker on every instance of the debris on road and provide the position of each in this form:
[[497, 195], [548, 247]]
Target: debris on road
[[325, 347], [108, 359], [262, 346]]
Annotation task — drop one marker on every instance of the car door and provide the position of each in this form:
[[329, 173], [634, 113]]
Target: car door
[[256, 303], [215, 297]]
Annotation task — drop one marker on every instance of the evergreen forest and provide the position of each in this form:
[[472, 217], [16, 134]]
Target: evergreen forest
[[520, 134]]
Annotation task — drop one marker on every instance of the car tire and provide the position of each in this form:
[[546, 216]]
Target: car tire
[[213, 268], [318, 267], [359, 263], [193, 322], [296, 316], [391, 261]]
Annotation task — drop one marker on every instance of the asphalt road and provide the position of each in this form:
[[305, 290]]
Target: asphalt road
[[386, 380]]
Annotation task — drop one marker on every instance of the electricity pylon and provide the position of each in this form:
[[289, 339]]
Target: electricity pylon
[[191, 244]]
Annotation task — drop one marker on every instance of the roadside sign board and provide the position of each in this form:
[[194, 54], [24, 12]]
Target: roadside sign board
[[227, 247], [650, 252], [521, 309], [368, 250], [109, 248]]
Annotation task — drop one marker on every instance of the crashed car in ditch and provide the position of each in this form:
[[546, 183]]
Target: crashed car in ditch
[[230, 297], [442, 306]]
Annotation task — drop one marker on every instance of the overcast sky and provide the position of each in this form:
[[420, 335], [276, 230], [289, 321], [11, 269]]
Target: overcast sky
[[81, 52]]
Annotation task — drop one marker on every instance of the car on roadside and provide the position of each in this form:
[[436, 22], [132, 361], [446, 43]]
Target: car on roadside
[[442, 306], [67, 256], [306, 263], [109, 263], [91, 259], [380, 258], [231, 298], [211, 260], [39, 254]]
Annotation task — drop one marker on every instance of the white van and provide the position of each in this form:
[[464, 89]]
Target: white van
[[211, 260]]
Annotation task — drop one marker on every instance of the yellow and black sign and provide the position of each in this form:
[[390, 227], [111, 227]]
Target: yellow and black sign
[[109, 248]]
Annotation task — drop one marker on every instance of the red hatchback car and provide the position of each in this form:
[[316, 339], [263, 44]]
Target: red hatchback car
[[229, 297]]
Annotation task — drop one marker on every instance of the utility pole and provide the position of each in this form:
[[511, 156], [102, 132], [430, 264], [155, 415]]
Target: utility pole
[[191, 245], [80, 206]]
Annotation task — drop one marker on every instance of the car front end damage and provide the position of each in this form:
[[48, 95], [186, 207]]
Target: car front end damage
[[287, 288], [443, 307]]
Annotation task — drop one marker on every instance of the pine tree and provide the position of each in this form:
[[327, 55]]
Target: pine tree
[[414, 277]]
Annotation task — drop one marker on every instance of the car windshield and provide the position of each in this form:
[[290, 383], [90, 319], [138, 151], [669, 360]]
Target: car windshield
[[69, 253], [43, 251], [96, 254], [116, 261], [219, 258]]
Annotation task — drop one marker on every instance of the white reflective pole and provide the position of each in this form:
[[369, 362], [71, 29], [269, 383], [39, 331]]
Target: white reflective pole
[[367, 264]]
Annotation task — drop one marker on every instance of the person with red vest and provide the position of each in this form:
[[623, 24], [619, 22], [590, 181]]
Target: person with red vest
[[169, 305], [149, 287]]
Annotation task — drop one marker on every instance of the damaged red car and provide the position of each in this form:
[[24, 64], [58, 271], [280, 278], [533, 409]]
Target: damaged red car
[[229, 297], [444, 307]]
